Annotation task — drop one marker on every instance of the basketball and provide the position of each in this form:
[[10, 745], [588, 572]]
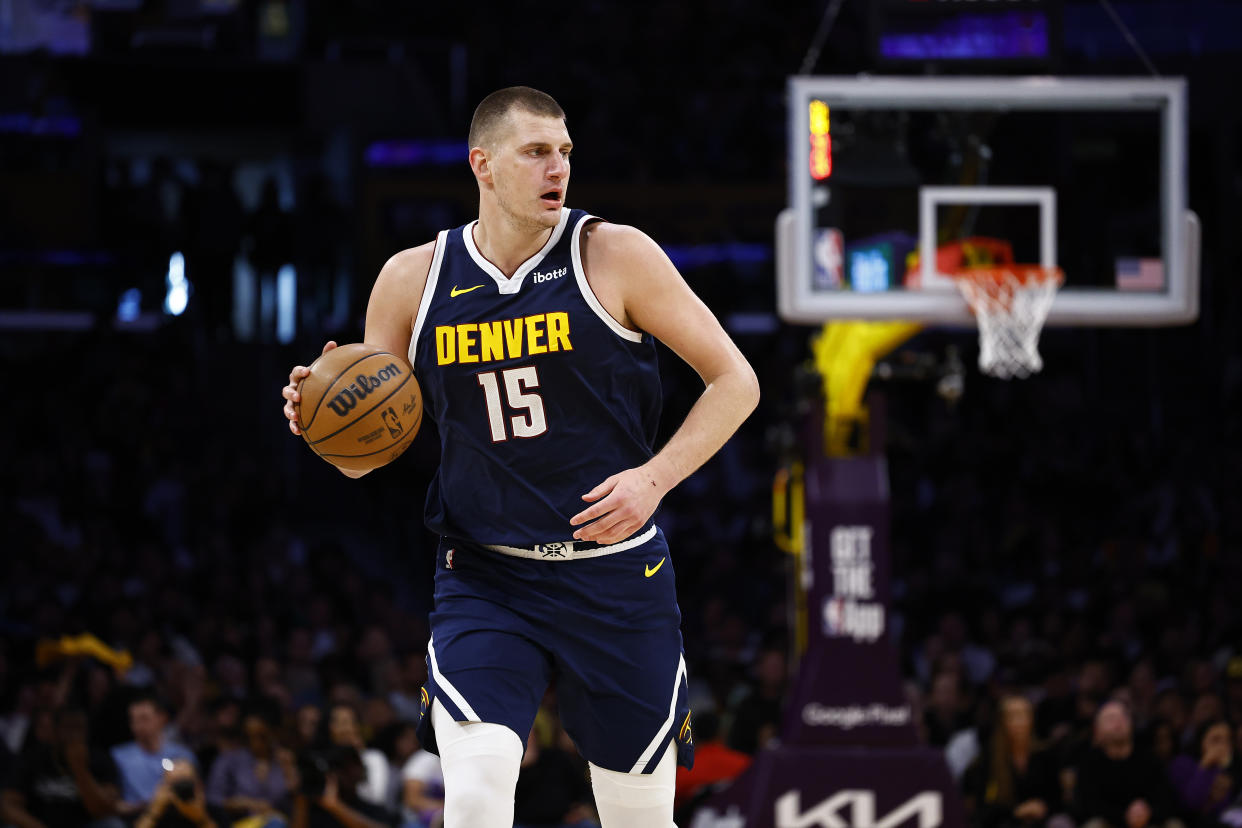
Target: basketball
[[361, 407]]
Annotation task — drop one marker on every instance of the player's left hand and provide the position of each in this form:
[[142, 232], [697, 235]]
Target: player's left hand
[[628, 499]]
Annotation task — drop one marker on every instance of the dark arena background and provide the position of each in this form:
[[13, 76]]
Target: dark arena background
[[977, 602]]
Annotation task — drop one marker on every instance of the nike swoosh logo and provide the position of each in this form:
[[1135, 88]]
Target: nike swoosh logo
[[455, 292], [651, 570]]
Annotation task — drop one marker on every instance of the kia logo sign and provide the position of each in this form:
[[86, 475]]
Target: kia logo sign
[[923, 810]]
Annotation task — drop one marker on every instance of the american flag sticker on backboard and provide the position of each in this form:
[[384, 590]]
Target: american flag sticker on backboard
[[1134, 273]]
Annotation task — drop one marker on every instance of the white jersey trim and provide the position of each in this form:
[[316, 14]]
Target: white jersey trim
[[429, 291], [662, 733], [512, 284], [449, 690], [584, 287]]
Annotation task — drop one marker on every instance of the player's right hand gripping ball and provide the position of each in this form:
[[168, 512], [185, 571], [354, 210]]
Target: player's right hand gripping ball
[[360, 408]]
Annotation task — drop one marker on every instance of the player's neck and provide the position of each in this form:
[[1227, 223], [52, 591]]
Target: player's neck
[[504, 242]]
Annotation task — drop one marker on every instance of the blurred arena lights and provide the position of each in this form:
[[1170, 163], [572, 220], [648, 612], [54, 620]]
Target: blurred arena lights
[[412, 153], [821, 141], [178, 295], [691, 256], [24, 123], [129, 305], [286, 304]]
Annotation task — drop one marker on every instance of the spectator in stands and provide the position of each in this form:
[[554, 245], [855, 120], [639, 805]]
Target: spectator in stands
[[422, 788], [301, 677], [552, 790], [398, 742], [1233, 689], [714, 762], [223, 732], [1120, 785], [1142, 688], [307, 724], [1208, 782], [1015, 783], [141, 762], [1162, 739], [19, 704], [178, 801], [1080, 734], [253, 779], [344, 730], [1171, 707], [757, 717], [977, 662], [1055, 711], [946, 711], [62, 783], [327, 796]]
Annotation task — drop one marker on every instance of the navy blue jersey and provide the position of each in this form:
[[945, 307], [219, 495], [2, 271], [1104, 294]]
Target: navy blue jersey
[[537, 392]]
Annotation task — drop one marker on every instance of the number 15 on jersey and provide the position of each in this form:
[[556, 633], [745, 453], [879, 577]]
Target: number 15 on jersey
[[530, 422]]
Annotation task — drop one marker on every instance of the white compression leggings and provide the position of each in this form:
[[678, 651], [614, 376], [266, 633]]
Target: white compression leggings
[[481, 761]]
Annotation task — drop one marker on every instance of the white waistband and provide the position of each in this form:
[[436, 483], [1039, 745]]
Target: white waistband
[[567, 551]]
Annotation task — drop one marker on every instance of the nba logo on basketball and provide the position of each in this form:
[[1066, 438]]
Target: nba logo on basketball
[[390, 420]]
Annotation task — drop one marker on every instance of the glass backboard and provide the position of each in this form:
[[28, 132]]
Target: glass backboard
[[897, 182]]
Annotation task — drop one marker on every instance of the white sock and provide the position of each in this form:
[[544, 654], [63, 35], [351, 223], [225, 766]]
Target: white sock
[[635, 800], [480, 762]]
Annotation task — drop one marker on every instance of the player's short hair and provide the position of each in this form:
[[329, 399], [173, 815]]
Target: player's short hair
[[495, 108]]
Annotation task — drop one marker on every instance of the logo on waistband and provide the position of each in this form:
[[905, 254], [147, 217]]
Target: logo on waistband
[[448, 559], [551, 550]]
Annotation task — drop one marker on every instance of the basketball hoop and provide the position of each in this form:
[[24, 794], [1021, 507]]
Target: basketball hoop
[[1011, 303]]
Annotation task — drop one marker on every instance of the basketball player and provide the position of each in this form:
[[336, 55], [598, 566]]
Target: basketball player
[[532, 333]]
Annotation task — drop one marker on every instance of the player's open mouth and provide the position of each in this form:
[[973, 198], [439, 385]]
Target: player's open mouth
[[551, 197]]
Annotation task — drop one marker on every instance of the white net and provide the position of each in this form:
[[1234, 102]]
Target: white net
[[1011, 304]]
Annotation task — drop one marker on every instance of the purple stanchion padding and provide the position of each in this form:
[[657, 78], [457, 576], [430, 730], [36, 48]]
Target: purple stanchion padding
[[849, 754], [848, 687]]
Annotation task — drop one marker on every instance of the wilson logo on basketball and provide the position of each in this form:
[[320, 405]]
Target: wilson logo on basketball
[[361, 388]]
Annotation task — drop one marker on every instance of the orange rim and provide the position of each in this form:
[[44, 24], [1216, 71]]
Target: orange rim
[[995, 275]]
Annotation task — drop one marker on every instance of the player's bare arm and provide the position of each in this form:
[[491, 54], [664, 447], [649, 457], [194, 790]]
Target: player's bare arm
[[390, 318], [395, 297], [640, 287]]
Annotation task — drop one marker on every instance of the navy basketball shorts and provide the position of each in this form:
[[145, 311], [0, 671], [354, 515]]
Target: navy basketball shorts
[[606, 628]]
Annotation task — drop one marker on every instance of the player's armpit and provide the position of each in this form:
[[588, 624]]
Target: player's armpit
[[395, 297], [626, 263]]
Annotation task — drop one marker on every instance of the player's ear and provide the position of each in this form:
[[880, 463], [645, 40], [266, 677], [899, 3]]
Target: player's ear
[[481, 164]]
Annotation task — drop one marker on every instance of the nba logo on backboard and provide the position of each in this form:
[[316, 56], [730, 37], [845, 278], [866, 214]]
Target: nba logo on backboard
[[829, 253]]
